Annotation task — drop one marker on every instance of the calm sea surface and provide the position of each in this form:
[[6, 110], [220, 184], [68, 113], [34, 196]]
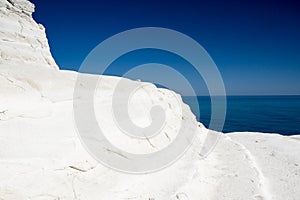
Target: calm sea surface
[[269, 114]]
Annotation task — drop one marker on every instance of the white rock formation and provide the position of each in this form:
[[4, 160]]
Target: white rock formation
[[41, 156], [23, 41]]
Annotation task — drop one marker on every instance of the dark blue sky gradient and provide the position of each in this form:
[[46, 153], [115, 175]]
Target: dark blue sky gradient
[[255, 44]]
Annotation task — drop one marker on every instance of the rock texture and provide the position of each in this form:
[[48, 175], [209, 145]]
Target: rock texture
[[41, 156], [23, 41]]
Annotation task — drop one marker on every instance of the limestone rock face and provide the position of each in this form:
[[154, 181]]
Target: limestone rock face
[[22, 40], [42, 156]]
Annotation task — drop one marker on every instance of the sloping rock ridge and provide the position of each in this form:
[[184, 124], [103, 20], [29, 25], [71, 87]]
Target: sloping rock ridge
[[42, 156], [23, 41]]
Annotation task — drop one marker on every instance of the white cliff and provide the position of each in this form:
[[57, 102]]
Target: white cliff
[[23, 41], [42, 157]]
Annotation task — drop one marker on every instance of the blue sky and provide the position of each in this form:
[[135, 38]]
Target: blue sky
[[255, 44]]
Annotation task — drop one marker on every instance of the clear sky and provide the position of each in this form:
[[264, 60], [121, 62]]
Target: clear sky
[[255, 43]]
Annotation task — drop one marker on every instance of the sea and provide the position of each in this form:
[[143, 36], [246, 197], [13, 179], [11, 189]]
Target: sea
[[267, 114]]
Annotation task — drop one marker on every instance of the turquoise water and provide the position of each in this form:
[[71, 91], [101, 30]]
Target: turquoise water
[[269, 114]]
